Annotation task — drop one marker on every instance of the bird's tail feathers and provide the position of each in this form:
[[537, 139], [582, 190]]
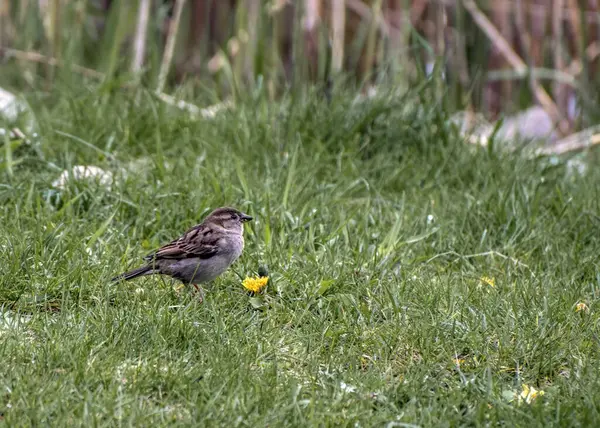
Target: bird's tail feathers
[[144, 270]]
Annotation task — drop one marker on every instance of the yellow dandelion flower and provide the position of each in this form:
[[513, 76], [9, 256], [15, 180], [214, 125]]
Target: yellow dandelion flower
[[487, 280], [581, 306], [529, 394], [255, 284]]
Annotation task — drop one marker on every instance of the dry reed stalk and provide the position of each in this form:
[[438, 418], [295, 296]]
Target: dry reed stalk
[[170, 45], [54, 36], [460, 46], [592, 52], [441, 21], [440, 29], [398, 42], [196, 42], [517, 63], [80, 15], [221, 13], [139, 44], [338, 26], [275, 50], [418, 7], [26, 41], [523, 31], [366, 13], [4, 22], [253, 22], [311, 21], [538, 35], [579, 141], [536, 11], [371, 45], [312, 14], [236, 45], [207, 112], [23, 9], [559, 90], [575, 23], [496, 92], [532, 33], [43, 59], [395, 17]]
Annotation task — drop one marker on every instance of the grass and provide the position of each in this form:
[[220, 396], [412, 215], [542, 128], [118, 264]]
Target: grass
[[377, 223]]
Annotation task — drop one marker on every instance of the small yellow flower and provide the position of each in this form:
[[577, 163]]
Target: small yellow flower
[[487, 280], [529, 394], [581, 306], [255, 284]]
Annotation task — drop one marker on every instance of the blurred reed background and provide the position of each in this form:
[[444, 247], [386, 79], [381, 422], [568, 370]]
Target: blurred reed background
[[492, 57]]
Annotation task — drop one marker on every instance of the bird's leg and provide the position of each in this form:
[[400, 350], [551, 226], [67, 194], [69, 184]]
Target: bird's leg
[[200, 292]]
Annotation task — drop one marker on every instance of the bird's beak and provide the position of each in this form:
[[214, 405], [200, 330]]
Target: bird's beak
[[245, 217]]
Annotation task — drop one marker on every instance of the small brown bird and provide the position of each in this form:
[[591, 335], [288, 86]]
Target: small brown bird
[[203, 253]]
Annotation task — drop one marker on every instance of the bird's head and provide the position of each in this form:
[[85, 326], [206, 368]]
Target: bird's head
[[228, 218]]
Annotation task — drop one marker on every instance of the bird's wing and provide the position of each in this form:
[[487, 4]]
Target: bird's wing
[[198, 242]]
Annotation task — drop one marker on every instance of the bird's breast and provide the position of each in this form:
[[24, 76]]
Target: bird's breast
[[232, 246]]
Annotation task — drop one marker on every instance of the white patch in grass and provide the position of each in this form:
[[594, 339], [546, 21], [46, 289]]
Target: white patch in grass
[[10, 106], [576, 167], [347, 388], [84, 172], [14, 322]]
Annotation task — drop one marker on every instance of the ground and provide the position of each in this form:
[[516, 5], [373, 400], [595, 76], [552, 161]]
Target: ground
[[414, 280]]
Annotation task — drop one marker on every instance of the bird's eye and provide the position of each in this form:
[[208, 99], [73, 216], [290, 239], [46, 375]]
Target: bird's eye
[[233, 216]]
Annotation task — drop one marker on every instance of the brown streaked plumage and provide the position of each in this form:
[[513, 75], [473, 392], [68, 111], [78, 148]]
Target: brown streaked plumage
[[202, 253]]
